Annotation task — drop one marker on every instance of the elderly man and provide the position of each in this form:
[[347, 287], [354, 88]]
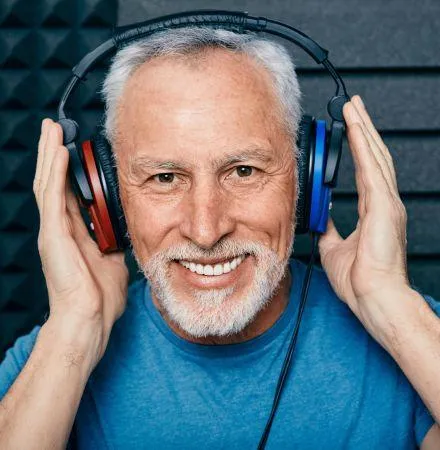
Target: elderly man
[[202, 124]]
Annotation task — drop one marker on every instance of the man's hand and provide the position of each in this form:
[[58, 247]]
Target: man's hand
[[87, 293], [371, 262], [368, 269], [86, 288]]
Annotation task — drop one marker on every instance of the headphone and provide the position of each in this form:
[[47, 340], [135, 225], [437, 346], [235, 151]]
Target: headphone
[[92, 171]]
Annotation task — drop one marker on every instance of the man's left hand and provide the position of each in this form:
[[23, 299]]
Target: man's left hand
[[370, 264]]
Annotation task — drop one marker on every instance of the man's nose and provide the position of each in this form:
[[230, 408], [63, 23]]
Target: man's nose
[[206, 216]]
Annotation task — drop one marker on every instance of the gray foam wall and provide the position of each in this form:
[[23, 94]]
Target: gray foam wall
[[40, 41]]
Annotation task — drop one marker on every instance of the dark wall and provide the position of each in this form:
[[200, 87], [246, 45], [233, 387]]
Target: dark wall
[[40, 41], [386, 51]]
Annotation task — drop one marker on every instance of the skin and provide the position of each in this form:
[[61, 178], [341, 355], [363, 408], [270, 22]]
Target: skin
[[161, 119]]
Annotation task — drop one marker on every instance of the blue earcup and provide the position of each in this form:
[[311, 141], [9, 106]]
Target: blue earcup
[[321, 193], [314, 196]]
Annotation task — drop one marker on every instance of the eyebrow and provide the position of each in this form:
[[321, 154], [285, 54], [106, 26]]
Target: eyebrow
[[144, 162], [250, 153], [141, 163]]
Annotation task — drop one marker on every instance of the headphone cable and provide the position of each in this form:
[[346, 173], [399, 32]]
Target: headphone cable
[[288, 358]]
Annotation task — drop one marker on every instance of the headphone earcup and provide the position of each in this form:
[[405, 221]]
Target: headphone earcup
[[305, 143], [320, 192], [109, 182], [108, 222]]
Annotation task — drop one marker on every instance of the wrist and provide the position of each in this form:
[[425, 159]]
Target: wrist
[[392, 314], [77, 343]]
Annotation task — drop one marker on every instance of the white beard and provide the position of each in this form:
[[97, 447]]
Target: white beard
[[208, 312]]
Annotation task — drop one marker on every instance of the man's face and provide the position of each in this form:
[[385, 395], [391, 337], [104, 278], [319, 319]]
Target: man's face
[[206, 178]]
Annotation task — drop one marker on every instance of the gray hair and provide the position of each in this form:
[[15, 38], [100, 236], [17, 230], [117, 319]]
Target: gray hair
[[190, 40]]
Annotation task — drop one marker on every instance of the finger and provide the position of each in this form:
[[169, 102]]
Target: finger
[[55, 200], [79, 228], [329, 239], [360, 185], [376, 187], [331, 236], [361, 190], [352, 117], [45, 124], [60, 254], [366, 119], [61, 210], [54, 141], [360, 107]]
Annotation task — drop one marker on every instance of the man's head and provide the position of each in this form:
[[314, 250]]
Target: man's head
[[203, 125]]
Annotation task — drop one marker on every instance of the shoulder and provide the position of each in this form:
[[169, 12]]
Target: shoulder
[[135, 302], [321, 299], [129, 326], [319, 282], [15, 359], [433, 303], [322, 296]]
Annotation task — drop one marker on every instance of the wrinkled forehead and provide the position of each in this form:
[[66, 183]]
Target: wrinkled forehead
[[212, 100]]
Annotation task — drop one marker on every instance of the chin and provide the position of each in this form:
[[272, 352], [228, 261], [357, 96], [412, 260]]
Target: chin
[[215, 302]]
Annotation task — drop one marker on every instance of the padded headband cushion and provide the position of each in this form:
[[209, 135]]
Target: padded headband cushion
[[104, 161], [303, 142]]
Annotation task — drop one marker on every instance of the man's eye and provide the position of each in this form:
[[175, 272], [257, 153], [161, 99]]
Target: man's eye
[[244, 171], [165, 177]]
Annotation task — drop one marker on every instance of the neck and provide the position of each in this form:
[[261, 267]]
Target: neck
[[262, 322]]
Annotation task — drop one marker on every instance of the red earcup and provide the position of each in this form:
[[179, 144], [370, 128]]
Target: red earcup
[[98, 209]]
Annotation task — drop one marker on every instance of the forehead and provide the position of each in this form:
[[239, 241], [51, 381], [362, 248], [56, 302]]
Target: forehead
[[193, 107]]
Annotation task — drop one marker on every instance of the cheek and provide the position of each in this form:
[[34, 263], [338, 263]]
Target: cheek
[[270, 213], [148, 223]]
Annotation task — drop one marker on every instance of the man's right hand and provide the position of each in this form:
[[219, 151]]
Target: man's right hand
[[87, 289]]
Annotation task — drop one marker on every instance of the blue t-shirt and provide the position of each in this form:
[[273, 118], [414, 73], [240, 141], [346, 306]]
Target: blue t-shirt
[[153, 389]]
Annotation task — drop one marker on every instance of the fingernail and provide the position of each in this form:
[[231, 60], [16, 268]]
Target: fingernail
[[51, 132], [360, 101], [46, 123]]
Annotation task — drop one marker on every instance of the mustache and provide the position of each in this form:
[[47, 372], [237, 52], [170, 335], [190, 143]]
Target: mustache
[[225, 249]]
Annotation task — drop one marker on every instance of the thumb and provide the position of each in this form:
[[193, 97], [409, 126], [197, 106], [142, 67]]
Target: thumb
[[329, 239]]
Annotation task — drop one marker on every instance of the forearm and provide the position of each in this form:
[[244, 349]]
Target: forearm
[[40, 407], [409, 330]]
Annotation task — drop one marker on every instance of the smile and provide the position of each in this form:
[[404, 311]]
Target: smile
[[213, 270]]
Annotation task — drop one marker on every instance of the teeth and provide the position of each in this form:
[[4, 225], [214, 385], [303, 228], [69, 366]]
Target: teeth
[[209, 270], [218, 269]]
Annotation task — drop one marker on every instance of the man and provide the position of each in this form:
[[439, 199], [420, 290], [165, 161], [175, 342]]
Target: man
[[202, 124]]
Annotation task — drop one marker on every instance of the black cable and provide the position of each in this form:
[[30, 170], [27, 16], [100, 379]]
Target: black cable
[[288, 359]]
